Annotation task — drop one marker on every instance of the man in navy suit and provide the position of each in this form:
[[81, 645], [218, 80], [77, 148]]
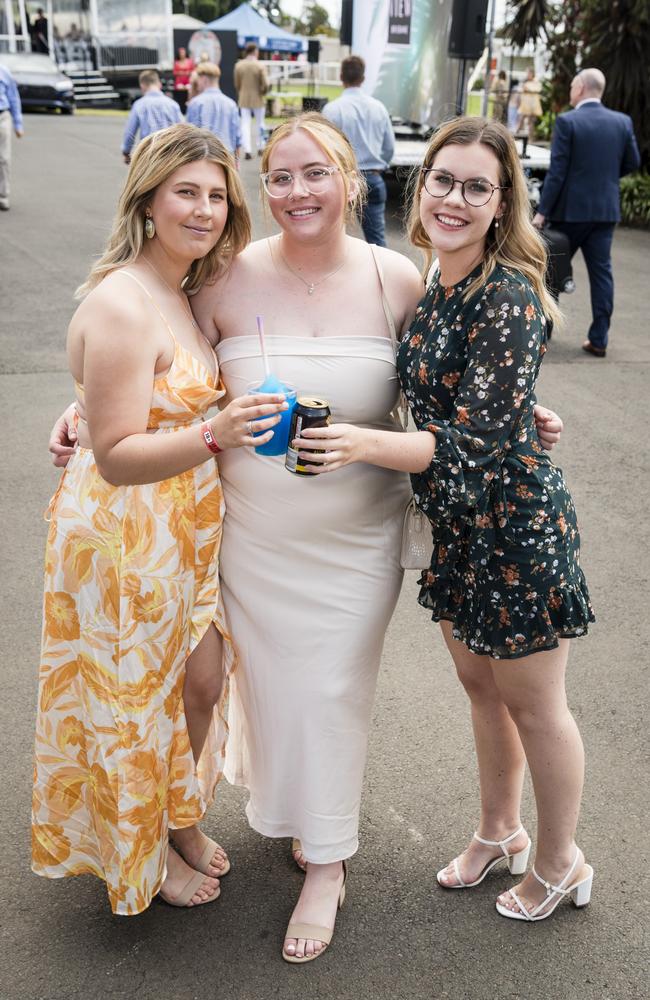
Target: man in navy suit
[[593, 147]]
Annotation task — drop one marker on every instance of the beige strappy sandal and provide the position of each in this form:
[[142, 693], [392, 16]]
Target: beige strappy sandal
[[313, 932], [206, 857], [191, 886], [296, 848]]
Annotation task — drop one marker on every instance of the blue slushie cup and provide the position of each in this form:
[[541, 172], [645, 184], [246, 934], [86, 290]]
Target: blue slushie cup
[[280, 440]]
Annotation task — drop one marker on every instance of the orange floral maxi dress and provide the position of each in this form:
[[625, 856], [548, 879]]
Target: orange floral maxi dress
[[131, 586]]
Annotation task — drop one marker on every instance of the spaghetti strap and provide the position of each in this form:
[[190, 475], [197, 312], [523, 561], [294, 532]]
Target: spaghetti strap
[[146, 291], [390, 320]]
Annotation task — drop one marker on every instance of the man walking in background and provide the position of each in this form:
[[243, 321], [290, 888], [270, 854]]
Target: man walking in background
[[592, 148], [10, 116], [40, 33], [367, 125], [150, 113], [213, 110], [251, 84]]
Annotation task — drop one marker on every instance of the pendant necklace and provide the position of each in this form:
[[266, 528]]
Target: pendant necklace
[[180, 295], [310, 285]]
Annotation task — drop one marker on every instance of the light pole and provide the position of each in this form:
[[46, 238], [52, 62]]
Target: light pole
[[488, 68]]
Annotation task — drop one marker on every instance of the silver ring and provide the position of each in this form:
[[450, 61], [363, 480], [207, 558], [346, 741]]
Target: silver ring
[[249, 427]]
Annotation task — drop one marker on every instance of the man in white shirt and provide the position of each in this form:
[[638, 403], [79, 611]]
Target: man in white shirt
[[366, 123]]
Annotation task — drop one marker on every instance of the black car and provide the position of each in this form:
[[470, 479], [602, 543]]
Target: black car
[[40, 83]]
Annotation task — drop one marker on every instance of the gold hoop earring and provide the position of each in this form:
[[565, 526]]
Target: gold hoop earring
[[149, 228]]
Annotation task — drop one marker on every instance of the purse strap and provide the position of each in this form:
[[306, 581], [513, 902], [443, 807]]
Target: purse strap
[[385, 304], [401, 411]]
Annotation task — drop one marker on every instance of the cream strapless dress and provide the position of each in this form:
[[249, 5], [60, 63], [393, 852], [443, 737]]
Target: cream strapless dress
[[310, 576]]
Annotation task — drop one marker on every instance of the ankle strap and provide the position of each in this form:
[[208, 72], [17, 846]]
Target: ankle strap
[[499, 843], [555, 889]]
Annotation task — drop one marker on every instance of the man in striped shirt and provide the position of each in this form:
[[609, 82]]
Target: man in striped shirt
[[150, 113], [213, 110]]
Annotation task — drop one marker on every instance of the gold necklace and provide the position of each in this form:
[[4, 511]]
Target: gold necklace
[[178, 294], [311, 285]]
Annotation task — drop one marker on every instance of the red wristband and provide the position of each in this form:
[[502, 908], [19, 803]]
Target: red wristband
[[209, 438]]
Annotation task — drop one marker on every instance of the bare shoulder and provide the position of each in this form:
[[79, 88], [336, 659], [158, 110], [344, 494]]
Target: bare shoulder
[[114, 309], [397, 267], [217, 298], [403, 283]]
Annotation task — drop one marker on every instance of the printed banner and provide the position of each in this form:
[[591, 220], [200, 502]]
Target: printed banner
[[399, 22]]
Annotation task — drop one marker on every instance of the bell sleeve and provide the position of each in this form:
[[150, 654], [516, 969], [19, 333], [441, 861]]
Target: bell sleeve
[[504, 341]]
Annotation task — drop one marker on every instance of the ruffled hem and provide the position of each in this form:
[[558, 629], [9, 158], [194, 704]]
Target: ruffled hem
[[518, 626]]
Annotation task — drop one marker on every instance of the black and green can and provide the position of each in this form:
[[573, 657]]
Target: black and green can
[[308, 412]]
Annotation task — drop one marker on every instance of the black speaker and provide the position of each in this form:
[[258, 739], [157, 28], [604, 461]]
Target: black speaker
[[314, 103], [345, 34], [313, 50], [467, 31]]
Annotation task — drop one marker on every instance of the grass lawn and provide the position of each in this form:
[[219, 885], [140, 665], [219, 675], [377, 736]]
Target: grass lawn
[[293, 100], [328, 90]]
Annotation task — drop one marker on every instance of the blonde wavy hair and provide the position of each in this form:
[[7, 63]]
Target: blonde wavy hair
[[516, 244], [157, 157], [336, 148]]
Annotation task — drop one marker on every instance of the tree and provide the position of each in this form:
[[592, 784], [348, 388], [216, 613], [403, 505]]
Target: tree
[[617, 40], [315, 21], [528, 23], [205, 10], [613, 35]]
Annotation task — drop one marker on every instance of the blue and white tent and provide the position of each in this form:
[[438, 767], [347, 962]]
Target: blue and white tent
[[252, 27]]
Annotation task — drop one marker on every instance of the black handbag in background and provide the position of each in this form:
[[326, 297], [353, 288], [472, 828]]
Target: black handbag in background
[[559, 272]]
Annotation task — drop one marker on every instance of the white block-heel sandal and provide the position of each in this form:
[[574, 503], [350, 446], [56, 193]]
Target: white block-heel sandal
[[517, 863], [579, 891]]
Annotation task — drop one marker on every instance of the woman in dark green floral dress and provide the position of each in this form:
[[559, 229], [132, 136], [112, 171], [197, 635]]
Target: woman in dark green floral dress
[[504, 579]]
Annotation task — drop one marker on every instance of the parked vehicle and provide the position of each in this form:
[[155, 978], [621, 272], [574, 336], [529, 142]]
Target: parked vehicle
[[40, 83]]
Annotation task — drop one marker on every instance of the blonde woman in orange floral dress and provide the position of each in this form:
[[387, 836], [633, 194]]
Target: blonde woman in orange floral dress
[[130, 736]]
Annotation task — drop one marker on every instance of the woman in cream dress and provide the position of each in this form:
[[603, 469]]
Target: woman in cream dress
[[310, 575]]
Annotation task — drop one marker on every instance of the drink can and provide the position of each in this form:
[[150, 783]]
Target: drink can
[[308, 412]]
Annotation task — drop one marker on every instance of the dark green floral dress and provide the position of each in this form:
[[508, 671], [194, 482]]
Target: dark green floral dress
[[505, 566]]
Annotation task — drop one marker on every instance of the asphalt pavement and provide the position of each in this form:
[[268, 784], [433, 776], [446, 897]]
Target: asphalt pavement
[[399, 937]]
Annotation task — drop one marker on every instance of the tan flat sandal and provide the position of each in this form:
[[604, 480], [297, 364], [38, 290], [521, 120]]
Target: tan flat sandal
[[191, 886], [206, 857], [296, 848], [313, 932]]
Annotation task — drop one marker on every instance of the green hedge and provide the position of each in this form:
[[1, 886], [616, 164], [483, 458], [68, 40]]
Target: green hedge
[[635, 200]]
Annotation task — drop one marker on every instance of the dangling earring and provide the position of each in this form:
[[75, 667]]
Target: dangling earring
[[149, 228], [496, 223]]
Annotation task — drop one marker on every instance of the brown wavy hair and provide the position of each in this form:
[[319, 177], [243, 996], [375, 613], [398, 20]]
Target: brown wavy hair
[[157, 157], [516, 244], [336, 147]]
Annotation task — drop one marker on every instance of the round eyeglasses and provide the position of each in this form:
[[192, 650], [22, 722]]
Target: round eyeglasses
[[279, 183], [476, 191]]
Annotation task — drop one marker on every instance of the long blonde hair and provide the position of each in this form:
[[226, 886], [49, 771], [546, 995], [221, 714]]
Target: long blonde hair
[[336, 147], [157, 157], [515, 244]]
